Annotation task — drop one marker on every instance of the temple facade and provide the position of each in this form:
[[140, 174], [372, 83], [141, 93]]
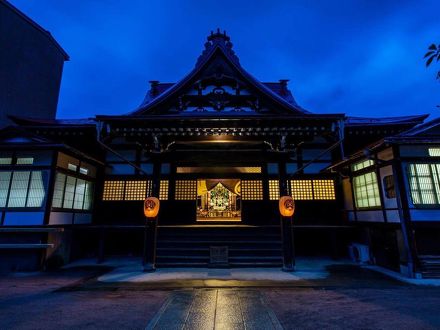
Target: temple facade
[[219, 148]]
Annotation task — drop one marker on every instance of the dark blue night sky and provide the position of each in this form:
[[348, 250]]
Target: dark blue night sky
[[363, 58]]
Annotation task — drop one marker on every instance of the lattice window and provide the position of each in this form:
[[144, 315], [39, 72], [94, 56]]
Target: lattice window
[[135, 190], [324, 189], [69, 192], [249, 169], [24, 188], [149, 188], [361, 165], [5, 160], [301, 189], [366, 190], [79, 194], [25, 160], [88, 196], [274, 190], [36, 191], [113, 191], [434, 152], [251, 189], [424, 183], [5, 179], [186, 190], [221, 169], [163, 190], [60, 181], [18, 191]]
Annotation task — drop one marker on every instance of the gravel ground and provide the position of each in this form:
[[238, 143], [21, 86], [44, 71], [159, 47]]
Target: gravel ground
[[397, 307], [33, 302]]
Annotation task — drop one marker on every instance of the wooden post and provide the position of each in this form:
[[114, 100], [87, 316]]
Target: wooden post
[[405, 221], [288, 244], [149, 253]]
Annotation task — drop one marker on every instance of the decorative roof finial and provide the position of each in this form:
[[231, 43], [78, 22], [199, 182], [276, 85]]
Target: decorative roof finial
[[218, 39], [219, 36]]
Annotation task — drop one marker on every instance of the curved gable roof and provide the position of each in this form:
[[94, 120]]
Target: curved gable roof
[[219, 44]]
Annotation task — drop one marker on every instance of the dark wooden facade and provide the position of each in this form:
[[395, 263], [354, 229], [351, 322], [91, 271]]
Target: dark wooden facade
[[216, 124]]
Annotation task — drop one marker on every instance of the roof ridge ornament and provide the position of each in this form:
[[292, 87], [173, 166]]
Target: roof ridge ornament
[[218, 39]]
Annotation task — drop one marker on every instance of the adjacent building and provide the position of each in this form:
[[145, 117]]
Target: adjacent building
[[31, 65], [219, 148]]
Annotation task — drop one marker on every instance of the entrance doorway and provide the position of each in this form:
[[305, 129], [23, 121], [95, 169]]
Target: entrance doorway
[[218, 200]]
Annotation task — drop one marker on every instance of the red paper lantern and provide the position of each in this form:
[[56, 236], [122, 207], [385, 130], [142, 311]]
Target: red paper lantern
[[286, 206], [151, 207]]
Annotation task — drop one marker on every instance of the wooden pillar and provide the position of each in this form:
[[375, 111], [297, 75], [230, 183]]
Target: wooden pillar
[[286, 225], [405, 220], [150, 229]]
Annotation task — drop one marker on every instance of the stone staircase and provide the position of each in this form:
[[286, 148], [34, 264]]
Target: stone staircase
[[248, 246], [430, 266]]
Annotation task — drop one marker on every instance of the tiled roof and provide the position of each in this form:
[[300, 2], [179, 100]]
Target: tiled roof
[[366, 121], [53, 122], [219, 43]]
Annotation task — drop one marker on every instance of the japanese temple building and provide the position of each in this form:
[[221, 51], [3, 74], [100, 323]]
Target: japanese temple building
[[219, 148]]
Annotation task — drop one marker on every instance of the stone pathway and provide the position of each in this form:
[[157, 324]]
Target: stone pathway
[[202, 309]]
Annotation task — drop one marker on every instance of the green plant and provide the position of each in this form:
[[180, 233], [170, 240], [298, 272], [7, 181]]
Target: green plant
[[432, 54]]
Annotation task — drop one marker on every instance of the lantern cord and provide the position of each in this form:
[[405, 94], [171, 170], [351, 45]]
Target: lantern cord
[[98, 139], [333, 146]]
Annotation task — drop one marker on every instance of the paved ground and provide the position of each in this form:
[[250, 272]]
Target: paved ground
[[350, 298], [215, 309]]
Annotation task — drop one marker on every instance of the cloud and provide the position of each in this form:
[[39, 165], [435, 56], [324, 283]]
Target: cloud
[[356, 57]]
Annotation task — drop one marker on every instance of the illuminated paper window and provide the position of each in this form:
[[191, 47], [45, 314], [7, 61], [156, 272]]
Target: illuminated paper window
[[18, 191], [72, 167], [324, 189], [219, 169], [361, 165], [57, 199], [5, 179], [186, 190], [72, 193], [69, 192], [251, 189], [23, 188], [434, 152], [36, 193], [424, 183], [135, 190], [25, 160], [5, 160], [301, 189], [149, 188], [249, 169], [80, 190], [163, 190], [88, 196], [366, 190], [113, 191], [274, 190]]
